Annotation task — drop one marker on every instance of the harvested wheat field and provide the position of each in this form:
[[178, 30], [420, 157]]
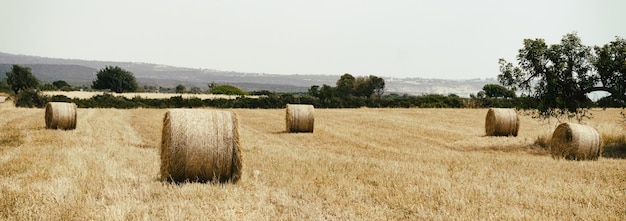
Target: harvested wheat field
[[360, 164]]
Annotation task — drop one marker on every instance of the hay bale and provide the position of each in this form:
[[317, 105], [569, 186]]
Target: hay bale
[[575, 142], [501, 122], [300, 118], [200, 145], [61, 115]]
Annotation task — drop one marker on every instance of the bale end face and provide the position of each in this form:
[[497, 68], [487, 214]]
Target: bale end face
[[300, 118], [501, 122], [575, 142], [200, 146], [60, 115]]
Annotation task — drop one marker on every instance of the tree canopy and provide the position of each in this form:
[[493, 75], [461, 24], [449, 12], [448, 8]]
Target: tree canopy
[[62, 85], [227, 89], [116, 79], [21, 78], [561, 75], [497, 91], [180, 89], [361, 86]]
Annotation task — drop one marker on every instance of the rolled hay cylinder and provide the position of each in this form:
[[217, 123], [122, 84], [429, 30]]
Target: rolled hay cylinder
[[200, 146], [575, 142], [501, 122], [61, 115], [299, 118]]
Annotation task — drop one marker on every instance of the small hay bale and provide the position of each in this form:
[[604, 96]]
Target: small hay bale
[[200, 145], [300, 118], [501, 122], [575, 142], [61, 115]]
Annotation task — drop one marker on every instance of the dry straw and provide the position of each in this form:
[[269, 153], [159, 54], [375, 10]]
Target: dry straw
[[501, 122], [575, 142], [200, 145], [299, 118], [61, 115]]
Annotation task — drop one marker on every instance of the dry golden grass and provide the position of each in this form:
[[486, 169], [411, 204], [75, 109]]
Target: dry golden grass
[[359, 164]]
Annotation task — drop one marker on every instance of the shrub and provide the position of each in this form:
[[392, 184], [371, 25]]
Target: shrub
[[228, 90]]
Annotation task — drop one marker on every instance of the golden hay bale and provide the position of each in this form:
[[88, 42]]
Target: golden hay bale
[[575, 142], [200, 145], [501, 122], [61, 115], [300, 118]]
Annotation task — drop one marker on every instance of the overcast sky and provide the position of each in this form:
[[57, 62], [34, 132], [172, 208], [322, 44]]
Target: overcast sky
[[429, 39]]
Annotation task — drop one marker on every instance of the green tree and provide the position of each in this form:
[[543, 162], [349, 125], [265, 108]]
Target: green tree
[[610, 63], [115, 79], [497, 91], [227, 89], [368, 86], [327, 92], [345, 85], [180, 89], [558, 75], [379, 85], [62, 85], [362, 87], [20, 79], [314, 91]]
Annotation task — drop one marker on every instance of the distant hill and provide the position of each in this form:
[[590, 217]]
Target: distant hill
[[83, 72]]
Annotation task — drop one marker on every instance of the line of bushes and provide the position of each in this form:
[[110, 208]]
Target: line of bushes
[[269, 101], [33, 99]]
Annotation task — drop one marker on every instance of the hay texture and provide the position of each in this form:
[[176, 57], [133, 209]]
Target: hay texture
[[300, 118], [575, 142], [200, 146], [501, 122], [61, 115]]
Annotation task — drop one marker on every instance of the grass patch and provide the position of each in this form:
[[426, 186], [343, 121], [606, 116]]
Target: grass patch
[[543, 141], [614, 146]]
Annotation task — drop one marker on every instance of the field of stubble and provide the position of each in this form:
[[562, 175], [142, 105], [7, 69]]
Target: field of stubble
[[360, 164]]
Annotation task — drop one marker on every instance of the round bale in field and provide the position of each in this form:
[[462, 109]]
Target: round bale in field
[[61, 115], [300, 118], [199, 145], [501, 122], [575, 142]]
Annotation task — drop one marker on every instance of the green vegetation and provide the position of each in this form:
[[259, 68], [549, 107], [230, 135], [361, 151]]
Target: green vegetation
[[226, 89], [560, 76], [180, 89], [20, 79], [496, 91], [62, 85], [116, 79]]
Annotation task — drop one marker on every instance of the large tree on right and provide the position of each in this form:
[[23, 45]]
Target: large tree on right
[[561, 75]]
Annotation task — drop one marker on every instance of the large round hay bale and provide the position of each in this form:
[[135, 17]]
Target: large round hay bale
[[501, 122], [61, 115], [575, 142], [200, 145], [300, 118]]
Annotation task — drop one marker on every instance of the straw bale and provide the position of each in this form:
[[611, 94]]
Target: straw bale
[[299, 118], [60, 115], [200, 145], [501, 122], [575, 142]]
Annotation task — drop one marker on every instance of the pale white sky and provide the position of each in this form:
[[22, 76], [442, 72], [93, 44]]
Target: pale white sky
[[453, 39]]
